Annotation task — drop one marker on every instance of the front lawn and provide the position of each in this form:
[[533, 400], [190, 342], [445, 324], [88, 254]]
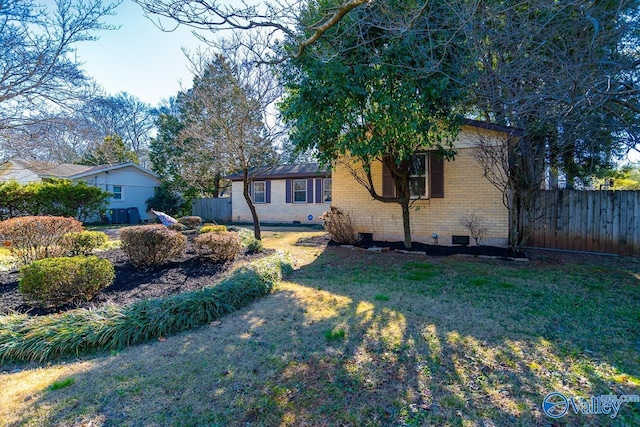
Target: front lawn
[[359, 339]]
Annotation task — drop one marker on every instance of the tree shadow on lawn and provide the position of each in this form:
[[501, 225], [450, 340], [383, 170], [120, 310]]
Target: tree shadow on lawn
[[427, 341]]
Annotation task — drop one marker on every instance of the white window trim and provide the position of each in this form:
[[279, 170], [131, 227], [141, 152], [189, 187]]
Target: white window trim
[[263, 191], [293, 192], [425, 176], [324, 190]]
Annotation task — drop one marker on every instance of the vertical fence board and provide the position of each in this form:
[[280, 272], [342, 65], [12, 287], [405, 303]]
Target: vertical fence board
[[214, 209], [589, 222], [593, 221]]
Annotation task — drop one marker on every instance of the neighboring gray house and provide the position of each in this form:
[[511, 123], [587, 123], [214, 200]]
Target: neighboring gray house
[[283, 194], [130, 184]]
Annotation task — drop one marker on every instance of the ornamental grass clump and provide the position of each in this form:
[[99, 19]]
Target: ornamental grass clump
[[54, 282], [218, 246], [148, 245], [30, 238], [83, 242]]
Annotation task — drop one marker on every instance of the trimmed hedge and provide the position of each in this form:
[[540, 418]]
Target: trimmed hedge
[[54, 282], [24, 338], [147, 245]]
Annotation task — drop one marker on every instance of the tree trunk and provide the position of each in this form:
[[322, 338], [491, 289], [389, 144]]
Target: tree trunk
[[216, 186], [406, 226], [252, 208]]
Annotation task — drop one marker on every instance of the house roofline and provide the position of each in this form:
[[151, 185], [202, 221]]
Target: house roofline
[[512, 131], [108, 168]]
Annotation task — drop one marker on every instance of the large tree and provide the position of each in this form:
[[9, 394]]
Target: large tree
[[362, 94], [227, 116]]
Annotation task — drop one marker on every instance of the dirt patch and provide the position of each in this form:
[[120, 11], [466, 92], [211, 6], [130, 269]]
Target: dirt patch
[[131, 284]]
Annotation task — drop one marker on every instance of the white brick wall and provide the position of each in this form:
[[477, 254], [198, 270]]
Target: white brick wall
[[278, 210]]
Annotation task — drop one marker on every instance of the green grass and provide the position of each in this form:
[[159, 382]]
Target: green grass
[[473, 342], [58, 385], [335, 335]]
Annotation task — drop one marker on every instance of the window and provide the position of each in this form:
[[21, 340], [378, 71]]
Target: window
[[299, 191], [259, 192], [418, 175], [117, 192], [326, 190]]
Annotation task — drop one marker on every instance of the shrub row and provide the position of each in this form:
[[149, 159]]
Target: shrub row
[[24, 338], [56, 197]]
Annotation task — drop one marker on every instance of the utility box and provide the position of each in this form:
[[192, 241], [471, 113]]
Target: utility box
[[119, 216], [134, 215]]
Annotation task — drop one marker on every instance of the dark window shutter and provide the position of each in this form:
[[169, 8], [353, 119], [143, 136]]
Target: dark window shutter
[[309, 191], [267, 190], [288, 191], [436, 176], [251, 190], [318, 190], [388, 189]]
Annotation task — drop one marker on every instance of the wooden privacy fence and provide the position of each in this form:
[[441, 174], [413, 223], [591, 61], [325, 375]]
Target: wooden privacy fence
[[592, 221], [218, 210]]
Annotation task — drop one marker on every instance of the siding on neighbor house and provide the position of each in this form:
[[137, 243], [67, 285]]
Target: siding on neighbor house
[[137, 188], [465, 190], [281, 209]]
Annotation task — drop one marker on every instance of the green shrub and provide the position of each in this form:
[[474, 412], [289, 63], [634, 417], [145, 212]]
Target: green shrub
[[54, 282], [57, 197], [248, 240], [213, 229], [41, 338], [254, 246], [152, 244], [219, 247], [191, 221], [30, 238], [84, 242]]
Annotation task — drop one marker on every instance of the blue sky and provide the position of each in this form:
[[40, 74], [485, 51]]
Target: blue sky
[[138, 58]]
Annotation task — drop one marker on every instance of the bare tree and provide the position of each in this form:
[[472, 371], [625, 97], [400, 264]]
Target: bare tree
[[37, 70]]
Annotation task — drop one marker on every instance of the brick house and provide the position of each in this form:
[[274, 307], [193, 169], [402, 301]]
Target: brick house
[[283, 194], [449, 190]]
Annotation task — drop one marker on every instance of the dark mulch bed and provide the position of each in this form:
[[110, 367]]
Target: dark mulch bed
[[437, 250], [131, 284]]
